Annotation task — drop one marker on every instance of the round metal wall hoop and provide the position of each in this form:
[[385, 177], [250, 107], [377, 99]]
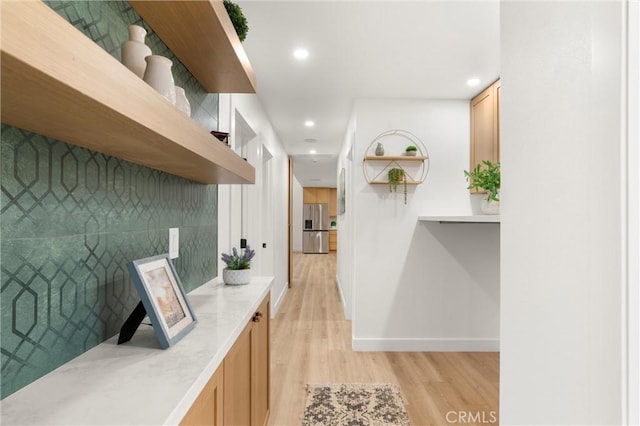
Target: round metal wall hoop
[[394, 161]]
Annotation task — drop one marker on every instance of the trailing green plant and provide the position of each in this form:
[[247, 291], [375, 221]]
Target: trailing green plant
[[236, 260], [237, 19], [411, 148], [395, 176], [485, 176]]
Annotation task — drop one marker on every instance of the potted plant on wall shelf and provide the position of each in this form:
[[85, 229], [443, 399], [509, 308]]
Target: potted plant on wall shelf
[[486, 176], [238, 270], [237, 19], [395, 177], [411, 151]]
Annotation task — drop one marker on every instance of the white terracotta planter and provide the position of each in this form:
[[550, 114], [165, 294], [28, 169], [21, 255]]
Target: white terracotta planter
[[134, 50], [158, 75], [489, 206], [236, 276]]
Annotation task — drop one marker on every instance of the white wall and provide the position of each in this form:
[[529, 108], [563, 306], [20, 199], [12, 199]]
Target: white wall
[[416, 285], [562, 298], [265, 203], [297, 215]]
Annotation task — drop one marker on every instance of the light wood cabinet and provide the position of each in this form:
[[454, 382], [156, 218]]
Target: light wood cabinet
[[485, 126], [323, 195], [207, 409], [333, 240], [333, 202], [309, 195], [247, 373]]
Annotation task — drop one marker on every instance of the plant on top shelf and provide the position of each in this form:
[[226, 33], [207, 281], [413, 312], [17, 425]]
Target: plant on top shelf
[[396, 176], [485, 176], [411, 150], [237, 19], [238, 270]]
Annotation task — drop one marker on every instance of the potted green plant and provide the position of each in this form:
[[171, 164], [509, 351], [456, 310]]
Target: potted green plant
[[486, 177], [411, 151], [396, 176], [237, 19], [238, 270]]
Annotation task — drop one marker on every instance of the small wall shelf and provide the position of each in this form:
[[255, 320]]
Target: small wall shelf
[[483, 218], [58, 83], [376, 167]]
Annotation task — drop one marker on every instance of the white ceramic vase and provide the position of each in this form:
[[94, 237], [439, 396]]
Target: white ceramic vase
[[133, 51], [236, 276], [489, 206], [158, 75], [182, 103]]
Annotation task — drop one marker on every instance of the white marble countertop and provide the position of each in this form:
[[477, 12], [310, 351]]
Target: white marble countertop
[[138, 383], [478, 218]]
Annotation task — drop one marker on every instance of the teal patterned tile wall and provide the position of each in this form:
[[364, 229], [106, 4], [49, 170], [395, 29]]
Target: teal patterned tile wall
[[70, 220]]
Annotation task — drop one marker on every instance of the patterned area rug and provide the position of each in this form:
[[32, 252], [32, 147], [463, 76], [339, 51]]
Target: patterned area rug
[[354, 405]]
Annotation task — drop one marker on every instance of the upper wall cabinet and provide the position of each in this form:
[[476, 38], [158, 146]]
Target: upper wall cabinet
[[59, 83], [202, 36], [485, 126]]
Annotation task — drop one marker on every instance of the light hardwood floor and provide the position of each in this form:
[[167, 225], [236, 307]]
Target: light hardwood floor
[[311, 343]]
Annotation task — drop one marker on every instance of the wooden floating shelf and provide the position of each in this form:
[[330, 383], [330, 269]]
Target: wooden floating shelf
[[395, 158], [201, 35], [379, 182], [59, 83]]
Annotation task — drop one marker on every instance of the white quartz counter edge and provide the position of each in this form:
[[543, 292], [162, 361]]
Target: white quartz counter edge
[[139, 383], [478, 218]]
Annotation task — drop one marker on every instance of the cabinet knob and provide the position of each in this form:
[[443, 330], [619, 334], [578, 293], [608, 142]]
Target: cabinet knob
[[256, 317]]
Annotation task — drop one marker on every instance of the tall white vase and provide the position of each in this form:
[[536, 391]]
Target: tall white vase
[[134, 50], [158, 75], [182, 103]]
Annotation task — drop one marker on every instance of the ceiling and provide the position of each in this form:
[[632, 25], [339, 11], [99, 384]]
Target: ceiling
[[361, 49]]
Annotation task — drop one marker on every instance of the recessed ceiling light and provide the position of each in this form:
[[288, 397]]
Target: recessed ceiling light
[[309, 123], [473, 81], [301, 54], [314, 180], [311, 140], [313, 151]]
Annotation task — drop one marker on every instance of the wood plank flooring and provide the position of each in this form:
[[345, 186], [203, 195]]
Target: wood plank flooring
[[311, 343]]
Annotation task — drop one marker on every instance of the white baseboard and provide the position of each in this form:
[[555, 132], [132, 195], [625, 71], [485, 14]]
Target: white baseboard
[[425, 345], [347, 314], [279, 300]]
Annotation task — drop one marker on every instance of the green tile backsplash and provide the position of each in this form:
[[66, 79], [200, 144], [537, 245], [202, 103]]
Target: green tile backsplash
[[70, 220]]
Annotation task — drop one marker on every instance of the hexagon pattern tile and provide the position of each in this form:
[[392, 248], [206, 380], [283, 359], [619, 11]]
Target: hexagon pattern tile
[[72, 218]]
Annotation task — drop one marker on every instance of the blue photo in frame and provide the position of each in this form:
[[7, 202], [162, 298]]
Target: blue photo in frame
[[163, 298]]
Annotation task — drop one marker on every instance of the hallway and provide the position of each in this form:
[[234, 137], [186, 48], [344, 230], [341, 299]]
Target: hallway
[[311, 343]]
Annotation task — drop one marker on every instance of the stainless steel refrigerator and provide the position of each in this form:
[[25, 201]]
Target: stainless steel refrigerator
[[315, 224]]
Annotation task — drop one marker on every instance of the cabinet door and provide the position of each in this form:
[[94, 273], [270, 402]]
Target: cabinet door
[[309, 196], [323, 195], [207, 409], [485, 126], [333, 202], [237, 381], [261, 361]]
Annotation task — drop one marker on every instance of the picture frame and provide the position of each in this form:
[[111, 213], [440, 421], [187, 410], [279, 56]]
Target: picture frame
[[341, 193], [163, 298]]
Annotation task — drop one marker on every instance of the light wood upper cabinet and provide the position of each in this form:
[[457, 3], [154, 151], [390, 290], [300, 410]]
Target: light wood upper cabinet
[[201, 35], [323, 195], [333, 202], [247, 373], [309, 195], [485, 126], [208, 408], [58, 83]]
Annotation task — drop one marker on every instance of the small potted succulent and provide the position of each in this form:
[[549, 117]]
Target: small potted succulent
[[397, 176], [486, 177], [237, 19], [411, 151], [238, 270]]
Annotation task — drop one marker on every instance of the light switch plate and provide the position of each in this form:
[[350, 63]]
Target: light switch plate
[[174, 242]]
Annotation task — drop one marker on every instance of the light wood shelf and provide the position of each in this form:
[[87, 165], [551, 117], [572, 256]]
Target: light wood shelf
[[59, 83], [396, 158], [202, 36]]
